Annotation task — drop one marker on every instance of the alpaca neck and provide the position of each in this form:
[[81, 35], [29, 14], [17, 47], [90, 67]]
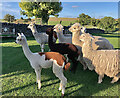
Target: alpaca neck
[[60, 36], [34, 30], [26, 50], [87, 48], [75, 39], [50, 40]]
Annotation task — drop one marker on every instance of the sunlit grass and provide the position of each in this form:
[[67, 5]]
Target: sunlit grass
[[19, 79]]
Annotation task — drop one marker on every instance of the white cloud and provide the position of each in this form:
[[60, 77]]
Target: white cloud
[[75, 6]]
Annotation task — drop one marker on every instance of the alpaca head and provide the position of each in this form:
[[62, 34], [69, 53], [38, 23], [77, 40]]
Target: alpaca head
[[21, 39], [86, 37], [58, 28], [31, 25], [83, 30], [49, 31], [75, 27]]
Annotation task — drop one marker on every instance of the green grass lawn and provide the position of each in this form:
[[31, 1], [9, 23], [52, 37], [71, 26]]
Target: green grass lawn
[[64, 23], [19, 79]]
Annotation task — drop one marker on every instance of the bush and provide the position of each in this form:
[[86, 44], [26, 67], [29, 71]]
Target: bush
[[108, 23], [84, 19], [93, 22], [9, 18]]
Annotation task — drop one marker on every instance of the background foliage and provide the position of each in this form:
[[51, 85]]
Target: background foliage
[[40, 9], [9, 18], [106, 23]]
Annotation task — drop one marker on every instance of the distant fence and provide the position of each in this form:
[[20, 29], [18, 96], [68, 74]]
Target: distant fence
[[8, 28]]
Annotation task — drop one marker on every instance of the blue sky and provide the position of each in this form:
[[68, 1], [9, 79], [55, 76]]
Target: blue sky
[[70, 9]]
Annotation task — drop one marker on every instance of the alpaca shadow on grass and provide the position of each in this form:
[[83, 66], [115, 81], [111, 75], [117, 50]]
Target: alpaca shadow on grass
[[12, 74], [14, 59], [87, 83], [30, 84]]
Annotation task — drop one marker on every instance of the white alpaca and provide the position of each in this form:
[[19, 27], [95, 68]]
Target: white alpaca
[[41, 38], [105, 62], [45, 60], [100, 41], [62, 39]]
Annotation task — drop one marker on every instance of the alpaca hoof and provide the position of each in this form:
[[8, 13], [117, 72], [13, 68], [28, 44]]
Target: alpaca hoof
[[39, 87], [99, 82], [85, 68], [112, 82], [62, 95], [91, 68], [115, 79]]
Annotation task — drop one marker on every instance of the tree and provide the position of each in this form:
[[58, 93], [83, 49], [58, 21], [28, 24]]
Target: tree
[[93, 21], [9, 18], [40, 9], [84, 19], [108, 23]]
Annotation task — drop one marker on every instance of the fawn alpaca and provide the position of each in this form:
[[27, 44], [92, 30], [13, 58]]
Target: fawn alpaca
[[45, 60]]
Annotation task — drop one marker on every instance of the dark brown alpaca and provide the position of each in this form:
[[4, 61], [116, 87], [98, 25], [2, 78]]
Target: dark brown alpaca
[[63, 48]]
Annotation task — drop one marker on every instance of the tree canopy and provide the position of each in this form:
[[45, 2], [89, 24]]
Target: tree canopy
[[84, 19], [40, 9], [9, 18], [108, 23]]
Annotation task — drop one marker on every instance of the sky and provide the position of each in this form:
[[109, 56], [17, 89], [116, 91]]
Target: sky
[[70, 9]]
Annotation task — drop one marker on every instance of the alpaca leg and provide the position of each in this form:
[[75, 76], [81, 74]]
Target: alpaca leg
[[62, 83], [42, 47], [115, 79], [60, 88], [58, 71], [81, 60], [38, 75], [100, 78], [75, 63]]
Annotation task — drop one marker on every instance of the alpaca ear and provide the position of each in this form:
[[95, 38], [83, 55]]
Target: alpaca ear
[[22, 34], [19, 34], [92, 36]]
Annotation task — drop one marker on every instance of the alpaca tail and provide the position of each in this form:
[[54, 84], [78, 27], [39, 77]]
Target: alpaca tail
[[67, 66]]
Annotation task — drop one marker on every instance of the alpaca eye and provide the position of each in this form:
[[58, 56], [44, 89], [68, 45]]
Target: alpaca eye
[[19, 39], [74, 28]]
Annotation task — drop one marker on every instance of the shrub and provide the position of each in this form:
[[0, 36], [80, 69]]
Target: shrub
[[84, 19], [108, 23], [9, 18]]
